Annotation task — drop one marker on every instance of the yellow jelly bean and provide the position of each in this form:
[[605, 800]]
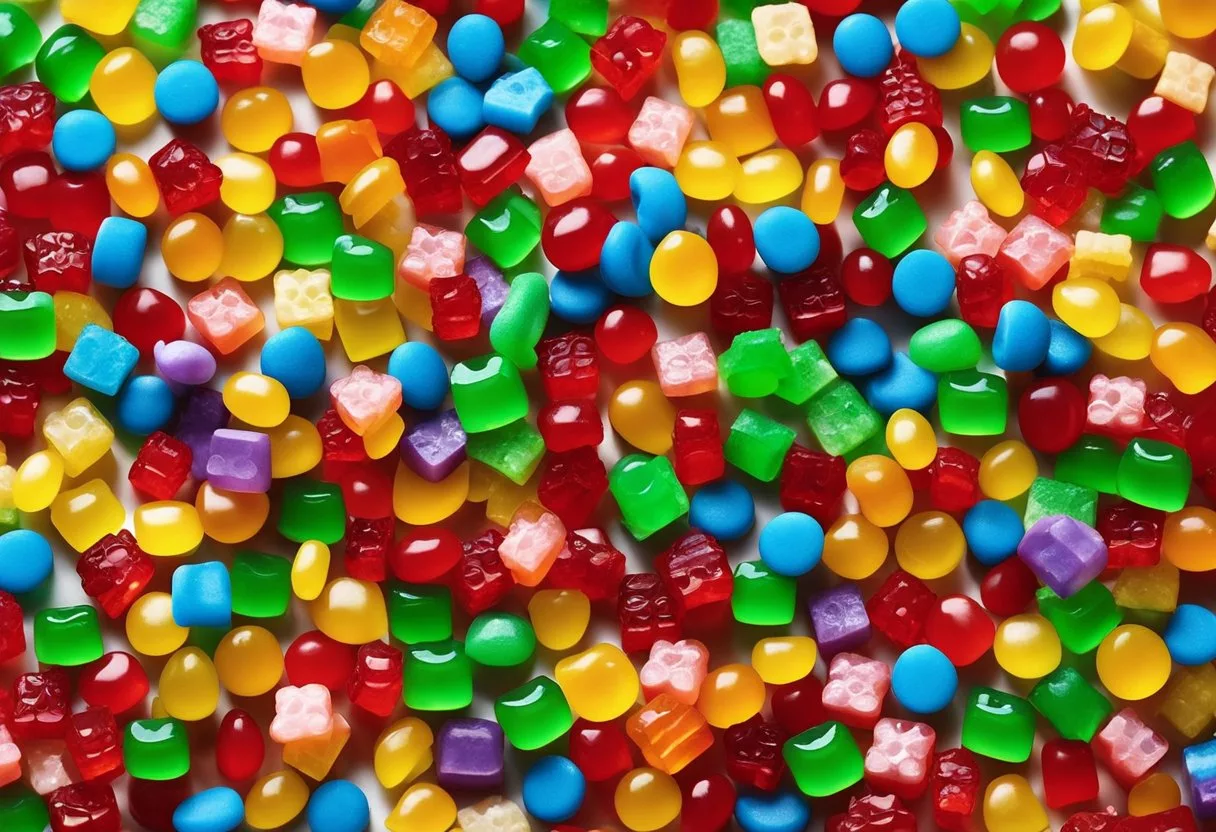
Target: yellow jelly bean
[[1010, 805], [1156, 793], [647, 799], [1027, 646], [350, 611], [1102, 36], [295, 447], [230, 516], [310, 570], [1186, 355], [403, 752], [131, 185], [1087, 304], [1189, 539], [1133, 662], [38, 481], [881, 487], [784, 659], [254, 118], [256, 399], [559, 617], [248, 186], [707, 170], [275, 800], [854, 548], [930, 544], [168, 528], [383, 440], [335, 74], [122, 87], [85, 515], [643, 416], [823, 193], [252, 247], [100, 18], [731, 694], [368, 329], [768, 176], [739, 119], [911, 439], [996, 185], [911, 155], [1132, 337], [8, 475], [1188, 18], [684, 269], [968, 61], [423, 807], [1007, 469], [700, 68], [249, 661], [73, 312], [421, 502], [189, 687], [151, 630], [600, 683], [370, 192], [192, 247]]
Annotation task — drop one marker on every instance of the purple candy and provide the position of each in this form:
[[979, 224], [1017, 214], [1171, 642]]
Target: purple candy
[[469, 754], [184, 362], [491, 285], [1063, 553], [202, 415], [239, 460], [839, 619], [435, 448]]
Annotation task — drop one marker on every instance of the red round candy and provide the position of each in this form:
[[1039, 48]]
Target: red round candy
[[1051, 414], [315, 657], [1050, 113], [792, 108], [1008, 588], [144, 316], [625, 334], [610, 172], [799, 705], [1029, 57], [1155, 124], [574, 233], [846, 103], [599, 749], [424, 556], [709, 804], [866, 276], [598, 115], [296, 161], [729, 233], [960, 628], [116, 681], [832, 8], [1174, 274], [80, 202], [239, 746], [945, 147], [386, 106]]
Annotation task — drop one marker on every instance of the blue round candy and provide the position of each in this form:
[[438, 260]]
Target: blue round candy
[[423, 375], [786, 239], [902, 384], [25, 560], [338, 806], [218, 809], [780, 811], [1068, 351], [1190, 635], [145, 405], [455, 106], [475, 47], [118, 251], [993, 531], [296, 359], [578, 297], [625, 260], [83, 140], [553, 789], [923, 679], [923, 283], [859, 348], [1022, 337], [723, 508], [659, 203], [863, 45], [791, 544], [927, 28], [186, 92], [333, 6]]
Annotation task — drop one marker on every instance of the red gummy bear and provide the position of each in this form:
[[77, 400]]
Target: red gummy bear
[[982, 287], [572, 484], [695, 571], [628, 54], [1102, 147], [95, 743], [899, 608], [84, 807], [368, 542], [228, 51], [753, 753], [41, 705], [569, 366], [646, 612], [20, 396], [814, 303], [873, 813], [481, 578], [339, 444], [59, 261], [566, 425], [741, 302], [114, 571], [696, 445], [906, 97], [455, 307], [187, 178], [1055, 185], [376, 684], [954, 787], [12, 632], [813, 482], [429, 170], [27, 117], [161, 467], [589, 563], [1091, 821]]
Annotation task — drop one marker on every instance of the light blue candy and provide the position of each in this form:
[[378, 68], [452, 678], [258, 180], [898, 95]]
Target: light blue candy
[[780, 811], [516, 101], [923, 679], [145, 405], [923, 283], [333, 6], [724, 509], [862, 45], [296, 358], [1022, 337], [554, 789], [218, 809], [659, 203], [578, 297], [786, 239], [118, 252], [1190, 635], [927, 28], [423, 375], [901, 384], [25, 560], [1068, 351], [202, 595], [475, 47], [791, 543], [186, 92], [455, 105], [859, 348], [625, 260], [993, 531], [83, 140], [100, 360], [338, 806]]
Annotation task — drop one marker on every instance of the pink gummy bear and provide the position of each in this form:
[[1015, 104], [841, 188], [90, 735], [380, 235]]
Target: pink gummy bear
[[968, 230], [283, 31], [1116, 405], [225, 316], [900, 758], [365, 399], [677, 669], [686, 366], [1128, 748], [558, 169], [302, 713], [534, 540], [1034, 251], [432, 252], [855, 689], [10, 758], [659, 132]]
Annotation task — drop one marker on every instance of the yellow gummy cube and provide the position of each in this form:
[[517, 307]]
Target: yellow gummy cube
[[1108, 256], [1152, 588], [315, 756], [80, 434], [506, 497], [302, 298], [426, 72], [1186, 81], [1190, 700], [785, 34], [368, 328], [393, 225], [85, 515]]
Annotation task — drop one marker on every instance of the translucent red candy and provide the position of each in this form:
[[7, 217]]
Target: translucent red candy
[[900, 607], [600, 750], [1157, 123], [1029, 57], [368, 542], [20, 396], [906, 97], [1051, 414], [338, 442], [567, 425], [741, 302], [792, 109], [695, 570], [228, 51], [42, 703], [846, 103], [367, 490], [1132, 534], [628, 54], [960, 628], [25, 179], [954, 788], [27, 117], [866, 277], [729, 234], [862, 167], [569, 366], [1050, 114], [1092, 822], [696, 445], [1174, 274], [1008, 588], [572, 484], [481, 578], [589, 563], [161, 467], [116, 682], [315, 658], [813, 482], [625, 334], [429, 170], [574, 233], [1054, 185], [84, 807], [94, 741], [386, 106], [296, 160], [186, 177], [424, 556], [455, 307], [1170, 421], [10, 248], [1070, 775], [646, 612], [1178, 819], [708, 804], [12, 631], [752, 750], [239, 746], [954, 480], [691, 14], [813, 303], [982, 287], [1102, 147], [80, 202], [873, 813], [610, 172], [59, 261], [375, 686], [144, 316], [114, 572], [492, 161], [153, 802], [799, 705], [505, 12]]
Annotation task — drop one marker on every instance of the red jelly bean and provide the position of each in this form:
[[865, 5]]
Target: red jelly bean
[[729, 233], [846, 103], [600, 750], [691, 14], [708, 804], [572, 484], [574, 233], [239, 746], [625, 334], [741, 302], [1029, 57], [960, 628], [792, 108], [386, 106], [1050, 113], [1051, 415], [589, 563], [610, 172], [1008, 588], [316, 658], [25, 179], [296, 161], [424, 556], [568, 425], [799, 705], [116, 681], [492, 161], [598, 115], [144, 316], [697, 447], [1070, 775], [569, 366], [628, 54], [866, 277], [375, 686], [1174, 274]]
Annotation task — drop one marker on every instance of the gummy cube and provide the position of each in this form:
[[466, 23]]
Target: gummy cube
[[469, 755], [855, 689], [368, 329], [899, 607], [899, 760], [1063, 553], [647, 613], [492, 161], [824, 760], [982, 289], [301, 713], [10, 758], [490, 814], [670, 733], [434, 448], [659, 131], [161, 467], [675, 669], [67, 636], [695, 570], [998, 725], [302, 298], [1185, 81], [156, 749], [202, 595], [28, 330], [315, 757], [225, 316], [969, 230], [557, 168], [80, 434], [534, 714], [761, 596], [1082, 619], [562, 57], [397, 33], [810, 373], [1151, 588], [1034, 251], [628, 54], [261, 584], [48, 761], [514, 450], [507, 230], [114, 571], [785, 34], [532, 543], [429, 170], [587, 17], [1073, 706], [227, 49], [647, 493], [375, 683], [1049, 497], [841, 419], [1107, 256], [433, 252], [365, 399], [1128, 748], [95, 744], [696, 444], [757, 445], [100, 360], [686, 366], [88, 805], [283, 31], [517, 100], [1190, 700], [239, 460], [756, 363], [86, 514], [187, 179], [740, 51]]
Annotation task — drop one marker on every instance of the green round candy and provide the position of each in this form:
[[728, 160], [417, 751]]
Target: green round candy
[[945, 346], [499, 639]]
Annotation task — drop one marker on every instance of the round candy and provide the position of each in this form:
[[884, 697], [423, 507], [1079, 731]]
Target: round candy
[[791, 543], [1029, 57], [184, 362], [296, 359], [780, 811], [25, 560], [186, 92], [553, 789], [475, 47], [923, 283], [859, 348], [1027, 646], [335, 74], [338, 806], [993, 531], [854, 548], [863, 45], [83, 140], [927, 28], [499, 639], [455, 105], [422, 373], [145, 405], [786, 239], [625, 262], [1133, 662], [218, 809], [1191, 635], [1156, 793], [902, 385], [960, 628], [684, 270], [784, 659], [723, 508], [731, 694], [1007, 470], [924, 679], [624, 334], [123, 87], [647, 799], [929, 545], [578, 297]]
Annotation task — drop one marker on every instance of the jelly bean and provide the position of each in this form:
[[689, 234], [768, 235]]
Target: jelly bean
[[256, 399], [700, 69], [782, 660], [455, 105], [275, 800], [66, 61], [338, 806], [1087, 304], [578, 297], [22, 38], [294, 358], [647, 799], [967, 62], [1027, 646], [218, 809], [230, 516], [25, 559], [38, 481], [862, 45], [684, 270], [1068, 351], [168, 528], [422, 373], [768, 176], [643, 416], [423, 807], [823, 193], [131, 185], [927, 28], [911, 155], [854, 548], [1133, 662], [600, 683], [150, 628], [559, 617], [911, 439], [625, 261], [118, 252], [882, 489], [192, 247], [189, 687], [781, 811], [248, 186], [186, 93], [1156, 793], [248, 661], [83, 140], [1132, 337], [1007, 470], [658, 202], [1010, 805], [335, 74], [1188, 18], [350, 611], [929, 544], [725, 509], [1191, 635], [145, 405], [707, 170], [731, 694], [1102, 36], [253, 118], [1184, 354], [553, 789], [996, 185]]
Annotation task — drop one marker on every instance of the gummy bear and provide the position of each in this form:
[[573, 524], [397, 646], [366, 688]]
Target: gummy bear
[[304, 712], [90, 807], [955, 787], [20, 395], [569, 366], [368, 541], [1116, 405], [228, 51], [41, 705], [871, 812], [187, 179], [1132, 534], [899, 760], [954, 483], [741, 302], [969, 230], [856, 688], [481, 579], [675, 669], [27, 117], [695, 571], [647, 612], [813, 482], [982, 288], [906, 97], [862, 167], [753, 753], [376, 683], [94, 741], [114, 571], [455, 307]]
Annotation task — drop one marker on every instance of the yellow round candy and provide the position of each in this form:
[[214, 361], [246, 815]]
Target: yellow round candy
[[168, 528], [421, 502], [192, 247], [423, 807], [254, 118], [403, 752], [248, 186], [559, 617], [295, 447], [996, 185], [335, 74], [1186, 355], [383, 440], [854, 548], [189, 686], [930, 545], [1010, 805], [1102, 36], [881, 487], [643, 416], [1132, 337], [1156, 793], [1027, 646], [38, 481], [131, 185], [150, 627], [700, 68], [1188, 18], [230, 516], [600, 683], [1133, 662], [1087, 304], [249, 661], [1007, 469], [911, 439], [1189, 539], [731, 694], [350, 611], [122, 87], [253, 247], [823, 193], [73, 312], [647, 799], [768, 176], [784, 659], [707, 170], [256, 399], [911, 155], [310, 570], [684, 270], [275, 800], [968, 61]]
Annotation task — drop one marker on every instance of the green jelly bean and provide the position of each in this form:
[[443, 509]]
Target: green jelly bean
[[1136, 213], [520, 323], [357, 17], [261, 584], [310, 224], [824, 760], [312, 510], [162, 29], [1047, 497], [945, 346], [1092, 461], [648, 494], [534, 714], [737, 40], [419, 613], [67, 636], [755, 363], [156, 749], [507, 230], [889, 220], [762, 597], [841, 419], [361, 269], [513, 450], [1074, 707], [438, 677], [488, 393], [1082, 619], [27, 326], [1183, 180], [563, 58], [971, 403], [810, 372], [22, 809], [998, 725], [586, 17], [757, 445], [66, 61], [20, 38], [1155, 474], [998, 123], [499, 639]]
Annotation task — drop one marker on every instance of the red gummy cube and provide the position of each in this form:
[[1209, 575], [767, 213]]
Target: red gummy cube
[[982, 287], [59, 260], [187, 178], [429, 170], [813, 482], [114, 571], [696, 445], [95, 743], [27, 117], [228, 51], [569, 366], [338, 442], [481, 578], [600, 750], [900, 607], [1178, 819], [954, 787], [12, 631], [161, 467], [814, 303], [1102, 147], [646, 612], [873, 812], [10, 251], [695, 570], [1132, 534], [906, 97], [41, 705], [589, 563], [862, 167], [753, 753], [954, 480], [25, 180], [455, 307], [566, 425], [1054, 185], [375, 685], [628, 54], [84, 807], [505, 12], [572, 484], [1106, 821], [20, 396], [1070, 775], [491, 162], [368, 542]]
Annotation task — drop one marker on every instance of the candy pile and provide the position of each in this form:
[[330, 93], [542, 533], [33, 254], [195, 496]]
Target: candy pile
[[356, 225]]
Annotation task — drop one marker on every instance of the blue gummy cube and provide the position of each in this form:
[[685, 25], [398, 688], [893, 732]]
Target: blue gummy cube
[[101, 360], [202, 595], [118, 252], [516, 102]]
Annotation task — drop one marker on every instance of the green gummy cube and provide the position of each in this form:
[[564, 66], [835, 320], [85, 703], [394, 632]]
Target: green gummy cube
[[971, 403], [534, 714], [1082, 619], [20, 38], [1136, 213], [1047, 497], [67, 636], [648, 494], [1074, 707], [312, 510], [438, 677], [889, 220], [261, 584], [761, 596], [998, 725], [22, 809], [488, 393], [587, 17], [310, 224], [520, 323], [810, 373], [1155, 474], [156, 749], [361, 269], [824, 760], [419, 613], [27, 326], [999, 123], [737, 40], [755, 363], [945, 346], [507, 230], [513, 450], [66, 61], [841, 419], [162, 29], [1092, 461], [500, 639], [1183, 180], [757, 445], [562, 57]]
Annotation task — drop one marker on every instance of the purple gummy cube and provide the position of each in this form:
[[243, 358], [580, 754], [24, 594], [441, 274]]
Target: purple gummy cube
[[491, 285], [1200, 763], [469, 754], [239, 460], [1063, 553], [202, 415], [435, 448], [839, 619]]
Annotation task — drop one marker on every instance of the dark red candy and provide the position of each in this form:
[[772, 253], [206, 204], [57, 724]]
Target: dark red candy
[[598, 115], [481, 579], [647, 612], [900, 607], [367, 490], [144, 316], [831, 249], [1155, 124], [982, 287], [12, 631], [813, 482], [153, 802], [610, 172], [906, 97], [625, 334], [792, 108], [695, 570], [1055, 186], [871, 813], [696, 446], [114, 572], [27, 117], [813, 303], [80, 202], [10, 249], [228, 51], [1132, 534], [187, 179], [386, 106], [59, 261], [866, 277], [315, 658], [492, 161], [566, 425], [505, 12], [425, 555], [1029, 57], [1051, 414], [1178, 819], [161, 467], [945, 147], [954, 480], [832, 8], [753, 753], [455, 307], [42, 703], [574, 233], [960, 628], [1070, 775], [1008, 588], [296, 161], [691, 14], [589, 563], [84, 807], [572, 484], [729, 233], [1174, 274], [628, 54], [569, 366], [954, 788], [95, 743], [429, 170], [600, 750], [1102, 147], [368, 542], [20, 396], [116, 682], [376, 683], [25, 179], [1169, 420], [799, 705], [48, 372], [708, 804], [845, 103], [239, 746], [1050, 114], [741, 302], [862, 167], [1091, 821], [436, 8]]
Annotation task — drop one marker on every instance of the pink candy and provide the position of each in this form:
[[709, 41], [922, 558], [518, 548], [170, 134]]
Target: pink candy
[[1116, 405], [1034, 251], [432, 252], [365, 399], [558, 169], [677, 669], [1128, 748], [302, 713], [659, 132], [283, 31], [48, 763], [898, 762], [10, 758], [225, 316], [967, 231], [686, 366], [533, 541], [855, 689]]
